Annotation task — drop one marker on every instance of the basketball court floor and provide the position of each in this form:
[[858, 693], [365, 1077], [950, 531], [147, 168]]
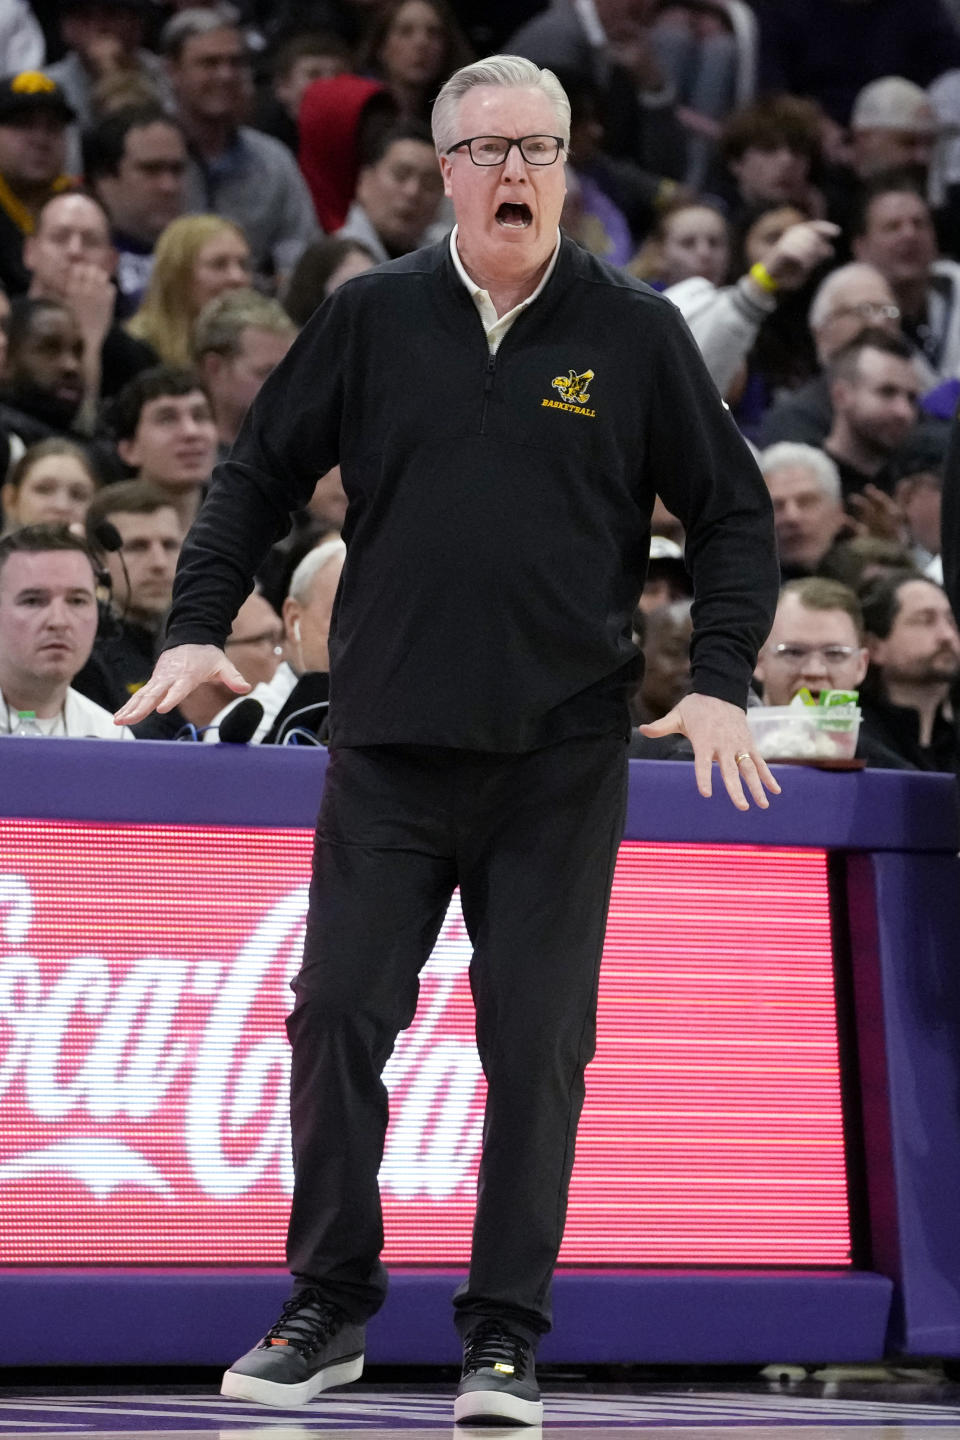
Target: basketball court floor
[[847, 1406]]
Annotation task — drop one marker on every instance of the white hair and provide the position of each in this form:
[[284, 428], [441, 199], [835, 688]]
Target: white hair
[[509, 71], [197, 20], [310, 566], [826, 292], [791, 453]]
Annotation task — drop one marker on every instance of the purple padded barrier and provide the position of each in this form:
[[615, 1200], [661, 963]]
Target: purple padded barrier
[[262, 785], [906, 966], [156, 1317]]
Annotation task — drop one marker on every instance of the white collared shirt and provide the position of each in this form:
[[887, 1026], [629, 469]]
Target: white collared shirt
[[496, 326]]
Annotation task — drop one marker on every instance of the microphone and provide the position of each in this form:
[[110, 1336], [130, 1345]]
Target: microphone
[[107, 536], [238, 725]]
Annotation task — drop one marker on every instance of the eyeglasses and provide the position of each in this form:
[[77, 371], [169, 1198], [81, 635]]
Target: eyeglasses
[[867, 310], [797, 654], [269, 640], [494, 149]]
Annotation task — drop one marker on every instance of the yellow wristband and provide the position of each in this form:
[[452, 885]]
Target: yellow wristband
[[762, 277]]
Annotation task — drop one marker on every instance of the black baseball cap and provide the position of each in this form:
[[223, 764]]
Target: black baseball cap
[[30, 92]]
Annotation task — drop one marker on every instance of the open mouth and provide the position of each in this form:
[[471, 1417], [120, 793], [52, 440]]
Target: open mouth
[[514, 217]]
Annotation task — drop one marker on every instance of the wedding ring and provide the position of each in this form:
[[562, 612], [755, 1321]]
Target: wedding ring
[[743, 755]]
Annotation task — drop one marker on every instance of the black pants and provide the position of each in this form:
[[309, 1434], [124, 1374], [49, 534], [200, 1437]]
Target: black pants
[[531, 840]]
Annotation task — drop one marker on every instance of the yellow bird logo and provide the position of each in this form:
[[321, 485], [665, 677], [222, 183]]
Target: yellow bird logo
[[573, 387]]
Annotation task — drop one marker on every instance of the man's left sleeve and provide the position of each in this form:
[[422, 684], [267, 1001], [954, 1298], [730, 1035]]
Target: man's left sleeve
[[703, 470]]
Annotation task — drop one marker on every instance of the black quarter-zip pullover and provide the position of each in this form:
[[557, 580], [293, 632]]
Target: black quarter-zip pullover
[[499, 506]]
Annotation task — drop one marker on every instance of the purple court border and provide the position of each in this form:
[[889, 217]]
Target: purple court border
[[895, 873]]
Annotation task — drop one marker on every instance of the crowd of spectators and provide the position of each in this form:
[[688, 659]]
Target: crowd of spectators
[[182, 184]]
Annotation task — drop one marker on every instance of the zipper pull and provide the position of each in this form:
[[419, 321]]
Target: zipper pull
[[488, 378]]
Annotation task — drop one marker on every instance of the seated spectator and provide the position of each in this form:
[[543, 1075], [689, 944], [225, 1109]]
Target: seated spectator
[[44, 386], [339, 121], [307, 612], [848, 301], [134, 161], [48, 621], [238, 339], [666, 676], [399, 193], [874, 391], [165, 432], [804, 486], [668, 579], [413, 46], [914, 660], [726, 322], [943, 182], [893, 231], [830, 49], [920, 498], [52, 483], [234, 170], [893, 126], [298, 60], [255, 647], [690, 238], [323, 266], [70, 259], [119, 89], [197, 257], [34, 115], [141, 576], [816, 642], [771, 152], [858, 561], [255, 642], [104, 39], [613, 45]]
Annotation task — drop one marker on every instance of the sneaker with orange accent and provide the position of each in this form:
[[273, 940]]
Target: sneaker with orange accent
[[312, 1347]]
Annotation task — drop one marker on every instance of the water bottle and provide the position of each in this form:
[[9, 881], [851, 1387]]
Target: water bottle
[[27, 724]]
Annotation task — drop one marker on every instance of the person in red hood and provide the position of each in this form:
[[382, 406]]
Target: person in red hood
[[336, 116]]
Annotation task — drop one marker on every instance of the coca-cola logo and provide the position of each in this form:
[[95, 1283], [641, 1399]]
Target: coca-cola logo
[[144, 1064], [156, 1069], [134, 1056]]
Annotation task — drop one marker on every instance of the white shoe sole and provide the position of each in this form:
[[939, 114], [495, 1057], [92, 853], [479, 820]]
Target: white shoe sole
[[491, 1405], [269, 1392]]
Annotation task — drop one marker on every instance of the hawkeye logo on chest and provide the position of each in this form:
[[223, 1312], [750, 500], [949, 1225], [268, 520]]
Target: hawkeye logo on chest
[[574, 394]]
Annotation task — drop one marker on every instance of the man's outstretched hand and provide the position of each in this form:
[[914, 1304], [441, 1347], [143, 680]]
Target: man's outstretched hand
[[178, 672], [718, 731]]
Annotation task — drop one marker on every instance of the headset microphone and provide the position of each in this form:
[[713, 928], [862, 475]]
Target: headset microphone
[[238, 725]]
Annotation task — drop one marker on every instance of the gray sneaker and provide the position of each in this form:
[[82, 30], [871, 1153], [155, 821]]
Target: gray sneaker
[[311, 1348], [498, 1383]]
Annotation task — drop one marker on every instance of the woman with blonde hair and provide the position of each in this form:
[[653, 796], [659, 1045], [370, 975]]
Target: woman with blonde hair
[[196, 258]]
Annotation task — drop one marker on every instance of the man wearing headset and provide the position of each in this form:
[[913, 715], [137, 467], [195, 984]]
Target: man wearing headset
[[306, 631]]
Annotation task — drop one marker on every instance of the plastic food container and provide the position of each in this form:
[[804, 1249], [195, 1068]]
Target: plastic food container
[[805, 732]]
